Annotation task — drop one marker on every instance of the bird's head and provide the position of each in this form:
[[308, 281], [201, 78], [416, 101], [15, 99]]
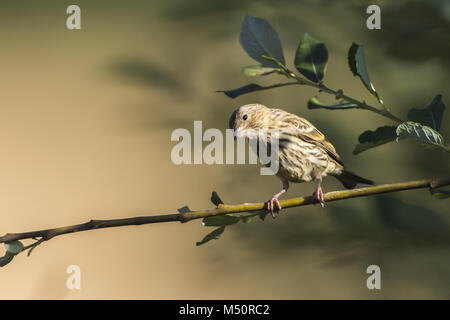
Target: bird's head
[[248, 118]]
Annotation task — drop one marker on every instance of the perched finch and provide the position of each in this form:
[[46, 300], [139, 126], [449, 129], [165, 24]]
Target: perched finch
[[304, 153]]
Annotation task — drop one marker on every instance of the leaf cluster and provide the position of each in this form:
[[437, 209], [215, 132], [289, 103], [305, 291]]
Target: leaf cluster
[[261, 42]]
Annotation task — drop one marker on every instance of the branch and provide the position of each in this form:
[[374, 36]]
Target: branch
[[337, 93], [340, 94], [222, 209]]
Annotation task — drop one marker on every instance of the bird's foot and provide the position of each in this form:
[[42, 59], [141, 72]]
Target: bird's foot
[[318, 195], [271, 207]]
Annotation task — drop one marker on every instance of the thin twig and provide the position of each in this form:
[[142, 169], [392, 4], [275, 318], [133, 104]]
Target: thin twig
[[339, 94], [48, 234]]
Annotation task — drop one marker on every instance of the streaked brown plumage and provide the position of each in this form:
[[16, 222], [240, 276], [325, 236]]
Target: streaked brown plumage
[[304, 152]]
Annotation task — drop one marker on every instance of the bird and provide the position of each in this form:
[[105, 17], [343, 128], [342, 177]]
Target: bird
[[304, 153]]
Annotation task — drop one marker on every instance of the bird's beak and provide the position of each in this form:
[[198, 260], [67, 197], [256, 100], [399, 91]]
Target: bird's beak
[[237, 132]]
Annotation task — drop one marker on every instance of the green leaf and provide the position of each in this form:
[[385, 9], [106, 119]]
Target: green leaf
[[431, 116], [215, 199], [418, 132], [358, 68], [382, 135], [311, 58], [370, 139], [258, 70], [253, 87], [214, 235], [314, 103], [259, 38], [220, 220], [14, 246], [184, 209], [440, 193], [242, 90], [7, 258], [263, 215]]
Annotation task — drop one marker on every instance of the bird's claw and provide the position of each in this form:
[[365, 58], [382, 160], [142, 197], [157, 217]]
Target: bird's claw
[[318, 195], [273, 210]]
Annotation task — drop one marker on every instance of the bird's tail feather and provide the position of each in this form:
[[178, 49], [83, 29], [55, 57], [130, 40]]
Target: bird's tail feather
[[349, 179]]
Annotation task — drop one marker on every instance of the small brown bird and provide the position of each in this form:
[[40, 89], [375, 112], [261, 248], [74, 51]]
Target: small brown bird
[[304, 153]]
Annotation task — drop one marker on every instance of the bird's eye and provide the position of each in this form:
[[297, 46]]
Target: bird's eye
[[245, 117]]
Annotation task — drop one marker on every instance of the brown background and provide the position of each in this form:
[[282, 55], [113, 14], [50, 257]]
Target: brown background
[[85, 124]]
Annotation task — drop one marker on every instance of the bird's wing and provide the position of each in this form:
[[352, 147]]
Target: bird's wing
[[308, 133]]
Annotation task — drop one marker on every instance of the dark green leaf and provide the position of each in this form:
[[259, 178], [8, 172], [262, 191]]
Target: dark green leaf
[[253, 87], [14, 246], [431, 116], [184, 209], [214, 235], [242, 90], [440, 193], [258, 70], [220, 220], [370, 139], [421, 133], [263, 215], [7, 258], [215, 199], [314, 103], [259, 38], [311, 58], [358, 68]]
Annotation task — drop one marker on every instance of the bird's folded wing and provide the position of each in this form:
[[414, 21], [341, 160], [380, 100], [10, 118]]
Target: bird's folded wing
[[308, 133]]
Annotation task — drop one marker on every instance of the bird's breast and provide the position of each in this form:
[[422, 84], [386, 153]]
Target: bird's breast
[[301, 161]]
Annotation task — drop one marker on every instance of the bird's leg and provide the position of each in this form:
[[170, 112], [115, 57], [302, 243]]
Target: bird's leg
[[318, 194], [274, 199]]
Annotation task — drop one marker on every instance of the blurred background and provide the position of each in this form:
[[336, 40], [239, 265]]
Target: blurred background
[[85, 124]]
